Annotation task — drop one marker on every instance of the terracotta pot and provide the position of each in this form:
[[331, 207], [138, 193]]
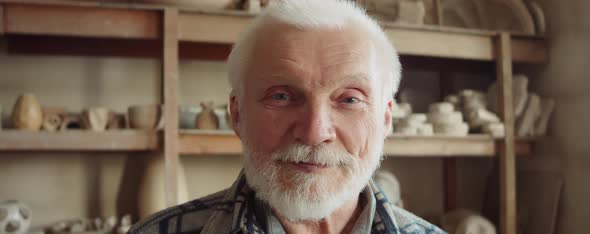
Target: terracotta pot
[[147, 117], [26, 114], [96, 118], [207, 119]]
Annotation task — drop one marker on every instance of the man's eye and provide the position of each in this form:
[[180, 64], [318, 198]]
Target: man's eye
[[351, 100], [280, 97]]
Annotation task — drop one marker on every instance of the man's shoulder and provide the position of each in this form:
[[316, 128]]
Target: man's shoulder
[[410, 223], [190, 217]]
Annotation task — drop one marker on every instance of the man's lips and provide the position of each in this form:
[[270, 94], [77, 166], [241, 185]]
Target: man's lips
[[307, 167]]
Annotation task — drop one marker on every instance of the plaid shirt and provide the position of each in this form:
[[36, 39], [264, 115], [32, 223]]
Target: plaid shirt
[[234, 211]]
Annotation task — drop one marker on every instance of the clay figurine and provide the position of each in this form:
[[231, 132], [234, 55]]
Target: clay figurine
[[51, 122], [207, 119], [26, 114], [15, 217]]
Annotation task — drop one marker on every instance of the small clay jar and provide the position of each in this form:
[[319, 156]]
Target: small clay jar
[[96, 118], [27, 114], [145, 117], [207, 119]]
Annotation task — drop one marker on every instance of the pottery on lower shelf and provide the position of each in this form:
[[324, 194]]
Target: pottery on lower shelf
[[95, 118], [26, 114], [146, 117], [463, 221], [152, 195], [15, 217]]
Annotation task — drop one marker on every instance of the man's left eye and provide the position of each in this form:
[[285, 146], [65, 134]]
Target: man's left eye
[[351, 100]]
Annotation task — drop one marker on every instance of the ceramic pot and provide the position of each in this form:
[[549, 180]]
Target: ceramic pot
[[207, 119], [15, 217], [146, 117], [116, 121], [187, 116], [70, 121], [152, 195], [26, 114], [95, 119]]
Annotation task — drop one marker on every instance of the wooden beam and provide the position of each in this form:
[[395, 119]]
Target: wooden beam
[[80, 21], [507, 152], [200, 27], [79, 140], [78, 46], [209, 142], [170, 96], [528, 50]]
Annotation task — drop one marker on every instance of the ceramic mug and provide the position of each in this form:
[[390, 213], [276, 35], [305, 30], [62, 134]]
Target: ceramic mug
[[95, 118], [146, 117]]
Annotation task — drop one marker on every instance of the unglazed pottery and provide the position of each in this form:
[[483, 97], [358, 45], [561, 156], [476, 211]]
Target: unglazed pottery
[[116, 121], [207, 119], [152, 195], [52, 122], [146, 117], [15, 217], [70, 121], [26, 114], [466, 222], [95, 118]]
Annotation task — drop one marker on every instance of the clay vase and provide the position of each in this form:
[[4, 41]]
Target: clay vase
[[146, 117], [152, 187], [207, 119], [95, 119], [27, 114]]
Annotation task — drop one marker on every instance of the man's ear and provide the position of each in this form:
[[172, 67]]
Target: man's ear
[[388, 119], [234, 107]]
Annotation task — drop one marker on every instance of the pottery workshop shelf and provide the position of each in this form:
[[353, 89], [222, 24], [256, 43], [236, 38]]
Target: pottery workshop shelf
[[225, 142], [93, 20], [79, 140]]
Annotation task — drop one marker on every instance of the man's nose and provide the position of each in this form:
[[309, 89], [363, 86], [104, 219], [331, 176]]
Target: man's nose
[[314, 126]]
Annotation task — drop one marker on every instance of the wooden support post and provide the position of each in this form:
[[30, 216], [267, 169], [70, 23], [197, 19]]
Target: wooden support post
[[1, 19], [506, 154], [170, 95], [438, 10], [449, 164]]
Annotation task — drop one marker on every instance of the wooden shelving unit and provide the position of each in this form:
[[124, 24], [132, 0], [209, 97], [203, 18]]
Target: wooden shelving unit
[[79, 141], [172, 29], [200, 143]]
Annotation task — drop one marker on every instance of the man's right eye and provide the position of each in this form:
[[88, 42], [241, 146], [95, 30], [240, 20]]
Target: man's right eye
[[280, 97]]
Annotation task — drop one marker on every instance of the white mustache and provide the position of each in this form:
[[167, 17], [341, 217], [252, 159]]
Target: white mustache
[[320, 155]]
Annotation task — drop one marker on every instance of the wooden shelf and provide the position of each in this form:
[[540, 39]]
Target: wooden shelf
[[79, 140], [225, 142], [124, 21]]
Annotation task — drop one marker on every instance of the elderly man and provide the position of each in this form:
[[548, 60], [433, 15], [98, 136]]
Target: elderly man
[[312, 91]]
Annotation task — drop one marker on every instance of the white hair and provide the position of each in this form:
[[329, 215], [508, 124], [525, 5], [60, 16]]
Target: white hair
[[316, 15]]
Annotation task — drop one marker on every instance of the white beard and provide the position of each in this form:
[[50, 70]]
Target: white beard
[[309, 196]]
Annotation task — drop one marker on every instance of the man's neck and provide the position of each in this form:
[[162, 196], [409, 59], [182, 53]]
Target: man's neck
[[341, 220]]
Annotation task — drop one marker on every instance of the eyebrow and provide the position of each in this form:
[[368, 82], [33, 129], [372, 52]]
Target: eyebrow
[[361, 76]]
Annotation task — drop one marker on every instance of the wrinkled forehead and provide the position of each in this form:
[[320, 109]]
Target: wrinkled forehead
[[290, 37], [338, 51]]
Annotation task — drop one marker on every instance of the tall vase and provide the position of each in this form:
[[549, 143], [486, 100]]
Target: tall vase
[[27, 114], [152, 188]]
